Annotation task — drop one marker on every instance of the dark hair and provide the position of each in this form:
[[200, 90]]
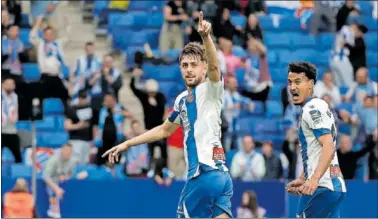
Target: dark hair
[[194, 49], [134, 121], [5, 78], [67, 145], [89, 43], [303, 67], [48, 28], [252, 202], [82, 94]]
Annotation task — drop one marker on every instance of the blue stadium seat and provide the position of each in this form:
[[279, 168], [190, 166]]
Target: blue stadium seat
[[25, 20], [24, 37], [118, 36], [274, 109], [239, 74], [53, 106], [161, 72], [238, 51], [266, 23], [280, 10], [347, 106], [345, 129], [271, 41], [289, 23], [371, 23], [21, 170], [51, 139], [326, 41], [238, 20], [120, 20], [24, 125], [371, 39], [309, 55], [299, 41], [229, 156], [275, 91], [31, 72], [265, 126], [59, 123], [138, 38], [140, 19], [155, 20], [245, 125], [285, 57], [99, 6], [343, 90], [272, 58], [322, 58], [373, 74], [259, 108], [172, 53], [6, 155], [170, 89], [145, 5], [372, 59], [366, 7], [278, 75], [47, 124], [153, 38]]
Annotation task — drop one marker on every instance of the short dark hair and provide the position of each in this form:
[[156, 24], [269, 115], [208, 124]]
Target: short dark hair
[[194, 49], [48, 28], [82, 94], [303, 67], [89, 43], [134, 121], [67, 144]]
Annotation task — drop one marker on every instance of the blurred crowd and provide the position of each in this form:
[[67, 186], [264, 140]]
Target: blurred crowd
[[96, 120]]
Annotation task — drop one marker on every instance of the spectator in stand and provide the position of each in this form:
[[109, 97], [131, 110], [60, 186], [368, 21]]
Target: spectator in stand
[[176, 158], [224, 30], [107, 78], [137, 158], [250, 207], [172, 36], [233, 104], [153, 103], [13, 7], [340, 64], [232, 61], [324, 14], [59, 168], [257, 77], [361, 88], [273, 164], [50, 60], [292, 113], [12, 54], [110, 126], [252, 29], [248, 164], [305, 12], [349, 8], [9, 118], [248, 7], [326, 86], [19, 203], [292, 150], [286, 98], [79, 123], [368, 117], [5, 22], [357, 50], [86, 66], [193, 8], [348, 159]]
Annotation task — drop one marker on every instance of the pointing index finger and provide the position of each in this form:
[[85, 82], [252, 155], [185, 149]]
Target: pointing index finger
[[200, 18], [106, 153]]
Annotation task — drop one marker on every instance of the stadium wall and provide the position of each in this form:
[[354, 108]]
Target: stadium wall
[[144, 198]]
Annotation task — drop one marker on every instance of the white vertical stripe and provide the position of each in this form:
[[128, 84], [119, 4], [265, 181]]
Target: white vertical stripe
[[186, 214]]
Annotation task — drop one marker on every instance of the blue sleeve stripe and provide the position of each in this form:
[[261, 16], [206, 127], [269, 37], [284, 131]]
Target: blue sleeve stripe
[[173, 116], [321, 131]]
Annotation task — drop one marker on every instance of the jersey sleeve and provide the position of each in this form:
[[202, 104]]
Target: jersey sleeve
[[174, 116], [215, 89], [319, 118]]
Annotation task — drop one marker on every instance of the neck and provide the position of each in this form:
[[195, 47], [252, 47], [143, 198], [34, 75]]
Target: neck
[[308, 99]]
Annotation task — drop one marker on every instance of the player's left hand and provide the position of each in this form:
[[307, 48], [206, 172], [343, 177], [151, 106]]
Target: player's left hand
[[309, 187], [204, 27]]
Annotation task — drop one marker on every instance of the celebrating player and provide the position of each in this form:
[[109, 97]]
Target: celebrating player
[[208, 190], [321, 184]]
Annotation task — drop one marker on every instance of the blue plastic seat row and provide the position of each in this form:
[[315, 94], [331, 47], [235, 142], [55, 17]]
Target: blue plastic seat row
[[141, 5], [293, 41], [123, 38], [136, 20], [50, 124], [52, 139], [162, 72]]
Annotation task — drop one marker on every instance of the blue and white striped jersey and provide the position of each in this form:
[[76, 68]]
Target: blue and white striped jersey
[[198, 111], [317, 119]]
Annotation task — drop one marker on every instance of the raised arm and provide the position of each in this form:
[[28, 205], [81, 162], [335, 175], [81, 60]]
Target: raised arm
[[33, 37], [204, 29]]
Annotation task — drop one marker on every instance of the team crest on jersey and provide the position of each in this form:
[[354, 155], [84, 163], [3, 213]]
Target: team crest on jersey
[[190, 98], [316, 116]]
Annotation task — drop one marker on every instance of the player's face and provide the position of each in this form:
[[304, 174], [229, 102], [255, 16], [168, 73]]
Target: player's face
[[300, 87], [66, 152], [193, 70]]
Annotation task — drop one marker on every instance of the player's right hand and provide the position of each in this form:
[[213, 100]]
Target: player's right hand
[[293, 187], [113, 153]]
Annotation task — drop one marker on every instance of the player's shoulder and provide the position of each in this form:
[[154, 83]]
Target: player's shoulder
[[181, 96], [316, 104]]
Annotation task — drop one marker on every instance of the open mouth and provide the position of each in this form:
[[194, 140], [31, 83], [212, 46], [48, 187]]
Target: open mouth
[[295, 95]]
